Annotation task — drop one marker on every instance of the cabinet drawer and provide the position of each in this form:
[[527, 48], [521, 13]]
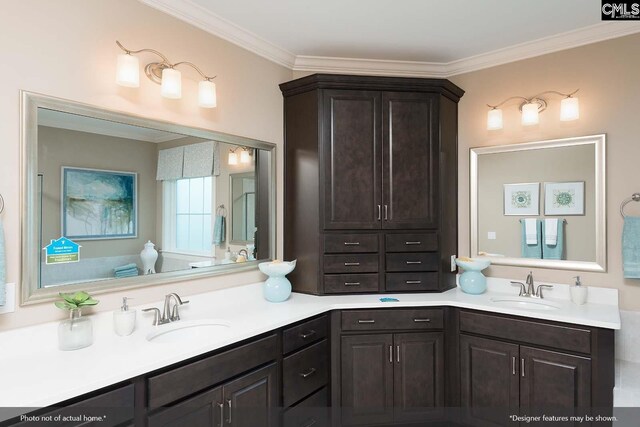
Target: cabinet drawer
[[305, 372], [414, 242], [367, 320], [412, 261], [312, 411], [411, 282], [344, 283], [186, 380], [527, 331], [351, 263], [346, 243], [306, 333]]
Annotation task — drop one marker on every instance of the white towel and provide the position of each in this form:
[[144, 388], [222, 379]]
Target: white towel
[[551, 231], [531, 230]]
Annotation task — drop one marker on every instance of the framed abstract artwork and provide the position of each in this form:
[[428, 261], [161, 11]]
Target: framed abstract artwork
[[564, 198], [522, 199], [99, 204]]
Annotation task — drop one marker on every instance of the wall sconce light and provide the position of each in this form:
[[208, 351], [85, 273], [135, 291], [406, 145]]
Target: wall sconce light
[[233, 157], [165, 74], [244, 157], [532, 107]]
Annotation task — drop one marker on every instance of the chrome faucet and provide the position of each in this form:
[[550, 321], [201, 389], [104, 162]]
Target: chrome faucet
[[170, 313], [529, 290]]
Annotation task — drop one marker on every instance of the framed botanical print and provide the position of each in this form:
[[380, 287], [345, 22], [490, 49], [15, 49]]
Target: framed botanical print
[[522, 199], [564, 198]]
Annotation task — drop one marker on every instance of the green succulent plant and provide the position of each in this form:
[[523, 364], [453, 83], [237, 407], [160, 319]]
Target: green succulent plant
[[75, 301]]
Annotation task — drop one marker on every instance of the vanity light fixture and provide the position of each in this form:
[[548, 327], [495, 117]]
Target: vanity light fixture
[[233, 157], [531, 108], [163, 73], [245, 155]]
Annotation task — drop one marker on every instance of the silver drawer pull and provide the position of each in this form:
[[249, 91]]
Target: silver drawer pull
[[367, 321], [422, 320], [308, 373], [352, 283], [413, 262], [352, 243], [413, 282], [305, 335], [351, 264], [412, 243]]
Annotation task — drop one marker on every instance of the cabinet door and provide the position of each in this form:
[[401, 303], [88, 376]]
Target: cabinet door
[[249, 400], [367, 379], [410, 161], [352, 159], [418, 376], [551, 379], [488, 379], [203, 410]]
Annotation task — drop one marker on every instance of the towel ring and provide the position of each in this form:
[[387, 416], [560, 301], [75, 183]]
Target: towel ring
[[1, 204], [221, 210], [635, 197]]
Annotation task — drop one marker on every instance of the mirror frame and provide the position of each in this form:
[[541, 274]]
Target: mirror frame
[[599, 142], [30, 250]]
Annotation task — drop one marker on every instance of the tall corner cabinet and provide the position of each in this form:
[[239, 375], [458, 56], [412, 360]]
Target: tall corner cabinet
[[370, 183]]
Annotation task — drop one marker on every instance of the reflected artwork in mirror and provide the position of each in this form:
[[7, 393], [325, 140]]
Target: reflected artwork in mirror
[[540, 204], [106, 193]]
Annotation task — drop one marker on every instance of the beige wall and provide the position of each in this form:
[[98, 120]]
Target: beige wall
[[66, 48], [63, 147], [560, 164], [607, 75]]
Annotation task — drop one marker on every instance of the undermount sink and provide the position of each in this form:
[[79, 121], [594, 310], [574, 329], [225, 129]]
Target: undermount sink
[[188, 330], [525, 303]]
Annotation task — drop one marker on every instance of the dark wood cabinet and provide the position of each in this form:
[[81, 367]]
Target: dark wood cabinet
[[250, 400], [374, 156], [204, 410]]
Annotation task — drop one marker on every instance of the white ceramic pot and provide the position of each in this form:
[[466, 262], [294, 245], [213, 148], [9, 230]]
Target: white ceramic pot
[[149, 256]]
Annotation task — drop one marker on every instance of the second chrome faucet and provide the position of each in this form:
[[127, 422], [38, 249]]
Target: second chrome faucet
[[529, 290], [170, 313]]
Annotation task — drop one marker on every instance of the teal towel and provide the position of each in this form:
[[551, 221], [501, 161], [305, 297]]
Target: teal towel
[[531, 251], [127, 273], [125, 267], [631, 247], [3, 268], [557, 251], [219, 230]]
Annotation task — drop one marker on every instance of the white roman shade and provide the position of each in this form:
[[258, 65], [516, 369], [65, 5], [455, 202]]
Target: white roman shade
[[189, 161]]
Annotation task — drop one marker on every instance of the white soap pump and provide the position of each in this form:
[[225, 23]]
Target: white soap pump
[[578, 292], [124, 320]]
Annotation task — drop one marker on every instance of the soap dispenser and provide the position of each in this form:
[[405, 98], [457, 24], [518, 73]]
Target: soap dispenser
[[578, 292], [124, 320]]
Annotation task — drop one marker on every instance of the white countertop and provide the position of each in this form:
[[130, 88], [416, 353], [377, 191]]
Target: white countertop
[[34, 373]]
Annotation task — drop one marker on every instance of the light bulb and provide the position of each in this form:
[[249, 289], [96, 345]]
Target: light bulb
[[233, 158], [207, 94], [494, 119], [569, 109], [128, 71], [244, 156], [530, 114], [171, 84]]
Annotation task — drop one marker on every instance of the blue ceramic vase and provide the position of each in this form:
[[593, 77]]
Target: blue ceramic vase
[[472, 281], [277, 288]]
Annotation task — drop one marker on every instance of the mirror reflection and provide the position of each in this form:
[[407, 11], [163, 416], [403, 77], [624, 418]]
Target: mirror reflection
[[539, 201], [118, 201]]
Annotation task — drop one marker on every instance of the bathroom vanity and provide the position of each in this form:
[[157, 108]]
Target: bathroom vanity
[[366, 361]]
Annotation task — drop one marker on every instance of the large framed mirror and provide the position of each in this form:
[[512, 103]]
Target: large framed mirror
[[115, 201], [540, 204]]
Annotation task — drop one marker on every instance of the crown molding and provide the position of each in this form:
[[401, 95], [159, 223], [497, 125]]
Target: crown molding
[[202, 18], [192, 13]]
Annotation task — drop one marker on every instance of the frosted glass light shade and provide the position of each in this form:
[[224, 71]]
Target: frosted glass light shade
[[128, 71], [244, 156], [569, 109], [233, 158], [207, 94], [530, 114], [171, 83], [494, 119]]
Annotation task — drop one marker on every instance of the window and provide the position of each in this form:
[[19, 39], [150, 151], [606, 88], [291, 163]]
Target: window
[[188, 207]]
